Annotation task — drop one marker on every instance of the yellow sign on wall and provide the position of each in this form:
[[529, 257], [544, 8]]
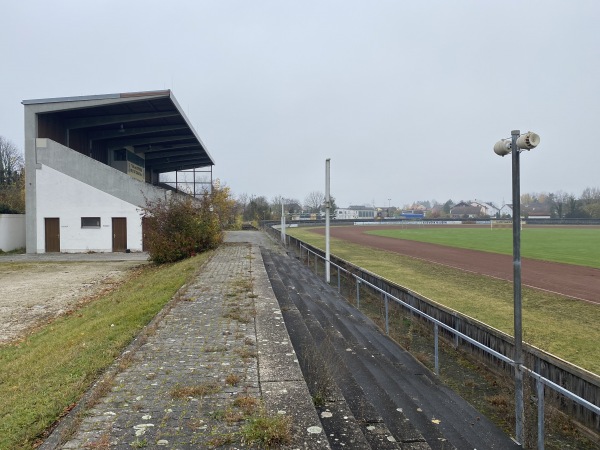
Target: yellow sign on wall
[[135, 171]]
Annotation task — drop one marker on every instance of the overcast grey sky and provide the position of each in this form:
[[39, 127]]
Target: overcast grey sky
[[407, 98]]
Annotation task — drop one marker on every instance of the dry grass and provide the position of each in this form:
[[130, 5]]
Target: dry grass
[[199, 390], [247, 404], [215, 349], [268, 431], [232, 379], [245, 352], [222, 440], [101, 444]]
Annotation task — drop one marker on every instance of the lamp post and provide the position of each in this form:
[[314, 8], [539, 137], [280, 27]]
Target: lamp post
[[516, 145], [282, 222], [327, 213]]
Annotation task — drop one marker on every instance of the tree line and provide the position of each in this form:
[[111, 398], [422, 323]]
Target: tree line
[[257, 208], [563, 205], [557, 205], [12, 178]]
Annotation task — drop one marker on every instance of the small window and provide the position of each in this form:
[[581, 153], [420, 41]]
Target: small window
[[121, 155], [90, 222]]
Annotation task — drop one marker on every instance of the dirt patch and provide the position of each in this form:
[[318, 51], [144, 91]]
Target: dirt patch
[[578, 282], [32, 293]]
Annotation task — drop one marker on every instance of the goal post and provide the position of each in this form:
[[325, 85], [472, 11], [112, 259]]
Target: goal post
[[496, 224]]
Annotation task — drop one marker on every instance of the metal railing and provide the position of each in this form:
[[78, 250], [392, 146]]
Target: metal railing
[[541, 381]]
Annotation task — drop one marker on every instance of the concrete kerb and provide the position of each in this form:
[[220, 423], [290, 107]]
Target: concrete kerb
[[282, 385]]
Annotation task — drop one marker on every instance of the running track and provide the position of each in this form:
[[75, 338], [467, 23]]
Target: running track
[[578, 282]]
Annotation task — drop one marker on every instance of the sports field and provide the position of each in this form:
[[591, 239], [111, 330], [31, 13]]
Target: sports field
[[455, 277], [574, 245]]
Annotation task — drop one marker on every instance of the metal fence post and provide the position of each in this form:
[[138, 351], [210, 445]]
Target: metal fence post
[[387, 323], [540, 405], [435, 345], [456, 326], [357, 293], [339, 285]]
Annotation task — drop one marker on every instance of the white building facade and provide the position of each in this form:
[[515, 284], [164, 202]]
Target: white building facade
[[355, 212], [93, 163]]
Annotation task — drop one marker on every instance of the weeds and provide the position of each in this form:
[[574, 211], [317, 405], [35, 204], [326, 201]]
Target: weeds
[[245, 352], [247, 404], [139, 443], [199, 390], [101, 444], [240, 315], [319, 400], [267, 431], [233, 379], [221, 440], [215, 349]]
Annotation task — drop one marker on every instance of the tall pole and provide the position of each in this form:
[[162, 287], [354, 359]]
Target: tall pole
[[518, 357], [282, 224], [327, 212]]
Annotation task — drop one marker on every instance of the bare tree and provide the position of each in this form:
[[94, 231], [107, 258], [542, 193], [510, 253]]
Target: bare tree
[[560, 199], [12, 178], [11, 162], [314, 201]]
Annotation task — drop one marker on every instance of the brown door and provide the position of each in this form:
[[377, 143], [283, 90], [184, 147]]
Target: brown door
[[119, 228], [52, 237]]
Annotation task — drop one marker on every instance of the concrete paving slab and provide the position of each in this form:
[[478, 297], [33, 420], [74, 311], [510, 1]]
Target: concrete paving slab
[[187, 377]]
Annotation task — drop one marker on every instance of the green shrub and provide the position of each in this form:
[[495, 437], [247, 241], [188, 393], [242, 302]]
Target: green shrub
[[181, 226]]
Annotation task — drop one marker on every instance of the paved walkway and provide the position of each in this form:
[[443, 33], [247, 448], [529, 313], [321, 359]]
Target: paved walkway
[[217, 354]]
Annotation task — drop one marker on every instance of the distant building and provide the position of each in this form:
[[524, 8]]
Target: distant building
[[506, 210], [412, 214], [536, 210], [355, 212], [473, 209], [488, 209], [464, 210]]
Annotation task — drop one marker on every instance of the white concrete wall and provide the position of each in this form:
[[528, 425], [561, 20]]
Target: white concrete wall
[[59, 195], [12, 231]]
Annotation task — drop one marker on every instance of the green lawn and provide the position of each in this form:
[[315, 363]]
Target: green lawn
[[579, 246], [561, 326]]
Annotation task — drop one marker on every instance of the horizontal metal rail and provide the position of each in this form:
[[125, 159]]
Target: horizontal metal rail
[[539, 378], [419, 312]]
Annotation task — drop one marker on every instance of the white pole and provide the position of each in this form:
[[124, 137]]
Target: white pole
[[327, 213], [282, 225]]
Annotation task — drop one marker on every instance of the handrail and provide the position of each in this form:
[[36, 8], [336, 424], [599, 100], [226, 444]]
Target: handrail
[[541, 380]]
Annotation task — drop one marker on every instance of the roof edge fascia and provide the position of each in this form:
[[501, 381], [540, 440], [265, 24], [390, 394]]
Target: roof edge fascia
[[189, 124], [81, 98]]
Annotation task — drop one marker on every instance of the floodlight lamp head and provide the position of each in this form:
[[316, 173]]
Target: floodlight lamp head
[[528, 140], [502, 147]]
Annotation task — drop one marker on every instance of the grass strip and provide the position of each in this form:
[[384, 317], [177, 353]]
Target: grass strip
[[564, 327], [51, 369]]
